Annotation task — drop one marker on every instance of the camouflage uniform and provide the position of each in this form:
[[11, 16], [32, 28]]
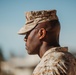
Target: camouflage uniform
[[56, 61]]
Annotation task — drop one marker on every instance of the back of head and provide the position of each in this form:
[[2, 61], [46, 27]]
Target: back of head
[[54, 27], [55, 31]]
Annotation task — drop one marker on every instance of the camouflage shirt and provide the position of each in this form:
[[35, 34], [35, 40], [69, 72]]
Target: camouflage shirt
[[56, 61]]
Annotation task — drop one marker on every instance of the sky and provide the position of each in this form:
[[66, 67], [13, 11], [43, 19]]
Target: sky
[[12, 18]]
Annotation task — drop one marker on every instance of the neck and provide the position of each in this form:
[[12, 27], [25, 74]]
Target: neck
[[44, 47], [54, 44]]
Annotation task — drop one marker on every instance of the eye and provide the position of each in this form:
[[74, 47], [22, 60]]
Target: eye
[[27, 34]]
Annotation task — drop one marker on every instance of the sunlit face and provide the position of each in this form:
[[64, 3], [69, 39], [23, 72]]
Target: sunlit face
[[32, 42]]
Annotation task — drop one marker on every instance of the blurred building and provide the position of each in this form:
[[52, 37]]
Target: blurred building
[[20, 66], [1, 55], [1, 59]]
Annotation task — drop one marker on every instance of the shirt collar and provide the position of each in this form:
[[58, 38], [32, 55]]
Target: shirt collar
[[55, 49]]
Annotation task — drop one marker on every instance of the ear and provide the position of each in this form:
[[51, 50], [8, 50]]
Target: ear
[[42, 33]]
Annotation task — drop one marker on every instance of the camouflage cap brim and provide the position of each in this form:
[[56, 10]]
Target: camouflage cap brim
[[25, 29]]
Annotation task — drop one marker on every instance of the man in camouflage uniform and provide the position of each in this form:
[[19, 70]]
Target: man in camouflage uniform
[[42, 30]]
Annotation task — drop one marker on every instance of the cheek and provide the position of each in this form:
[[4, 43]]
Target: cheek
[[32, 37], [32, 42], [35, 42]]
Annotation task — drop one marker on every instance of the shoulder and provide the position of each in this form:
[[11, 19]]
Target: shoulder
[[55, 63]]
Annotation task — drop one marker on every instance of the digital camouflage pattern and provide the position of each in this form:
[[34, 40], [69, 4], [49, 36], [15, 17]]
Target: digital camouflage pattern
[[35, 17], [56, 61]]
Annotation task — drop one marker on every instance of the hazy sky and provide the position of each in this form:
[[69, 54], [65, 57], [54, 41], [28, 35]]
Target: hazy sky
[[12, 18]]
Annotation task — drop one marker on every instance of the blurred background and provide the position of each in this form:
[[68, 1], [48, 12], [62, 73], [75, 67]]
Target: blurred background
[[14, 59]]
